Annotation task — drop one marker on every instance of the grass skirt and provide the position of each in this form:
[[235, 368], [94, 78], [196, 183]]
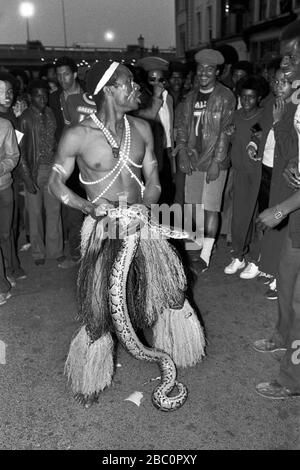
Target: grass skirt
[[155, 297]]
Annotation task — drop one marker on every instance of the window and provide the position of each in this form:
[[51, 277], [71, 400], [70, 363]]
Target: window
[[285, 6], [181, 5], [251, 13], [199, 26], [273, 8], [296, 4], [263, 5], [209, 23], [182, 36], [239, 22]]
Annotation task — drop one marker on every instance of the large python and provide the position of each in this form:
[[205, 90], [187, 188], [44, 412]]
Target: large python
[[122, 323]]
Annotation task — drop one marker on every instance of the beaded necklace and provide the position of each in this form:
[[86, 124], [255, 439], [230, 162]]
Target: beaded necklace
[[122, 161], [110, 139]]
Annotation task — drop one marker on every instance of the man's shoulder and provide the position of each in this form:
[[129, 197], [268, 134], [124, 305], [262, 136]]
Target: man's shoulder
[[190, 96], [224, 91], [27, 114], [288, 117], [55, 94], [238, 113], [79, 129], [5, 124], [54, 98], [138, 122], [50, 112], [82, 98], [291, 107]]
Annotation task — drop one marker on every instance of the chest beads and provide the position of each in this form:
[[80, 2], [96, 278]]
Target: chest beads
[[122, 162]]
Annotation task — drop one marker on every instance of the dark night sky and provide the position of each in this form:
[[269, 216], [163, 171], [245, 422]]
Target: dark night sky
[[88, 20]]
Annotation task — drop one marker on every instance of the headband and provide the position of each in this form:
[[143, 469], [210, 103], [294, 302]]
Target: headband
[[105, 78]]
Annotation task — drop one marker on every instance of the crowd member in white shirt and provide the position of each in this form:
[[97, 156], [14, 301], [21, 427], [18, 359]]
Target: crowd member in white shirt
[[272, 240]]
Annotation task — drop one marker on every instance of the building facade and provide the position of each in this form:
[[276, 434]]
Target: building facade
[[252, 27], [196, 24]]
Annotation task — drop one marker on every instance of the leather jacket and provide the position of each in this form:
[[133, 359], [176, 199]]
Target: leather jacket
[[9, 153], [218, 115], [29, 145]]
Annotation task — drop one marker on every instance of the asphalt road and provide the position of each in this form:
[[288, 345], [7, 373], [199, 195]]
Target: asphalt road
[[223, 411]]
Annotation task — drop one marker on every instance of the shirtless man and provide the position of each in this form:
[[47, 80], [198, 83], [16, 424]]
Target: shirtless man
[[83, 142], [112, 151]]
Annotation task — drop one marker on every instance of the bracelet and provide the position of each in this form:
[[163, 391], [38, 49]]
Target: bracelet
[[278, 214]]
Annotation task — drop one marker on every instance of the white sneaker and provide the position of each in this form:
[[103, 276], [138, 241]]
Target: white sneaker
[[250, 272], [234, 266]]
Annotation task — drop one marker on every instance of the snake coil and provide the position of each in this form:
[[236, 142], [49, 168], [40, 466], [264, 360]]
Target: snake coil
[[125, 331]]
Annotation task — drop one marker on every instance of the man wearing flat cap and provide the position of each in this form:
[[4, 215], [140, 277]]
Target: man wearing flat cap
[[162, 125], [202, 145]]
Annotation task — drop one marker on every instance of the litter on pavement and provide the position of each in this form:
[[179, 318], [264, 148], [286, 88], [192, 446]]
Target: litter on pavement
[[135, 397], [2, 352]]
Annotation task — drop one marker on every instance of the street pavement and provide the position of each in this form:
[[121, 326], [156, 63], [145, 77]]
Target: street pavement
[[223, 411]]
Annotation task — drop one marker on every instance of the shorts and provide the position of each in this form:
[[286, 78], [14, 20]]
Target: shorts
[[198, 191]]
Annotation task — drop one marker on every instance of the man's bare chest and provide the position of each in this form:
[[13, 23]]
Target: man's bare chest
[[100, 156]]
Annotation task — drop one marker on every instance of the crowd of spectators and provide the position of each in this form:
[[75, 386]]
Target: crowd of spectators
[[222, 133], [39, 109]]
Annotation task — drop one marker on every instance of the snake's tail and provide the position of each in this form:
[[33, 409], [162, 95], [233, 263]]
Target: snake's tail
[[180, 334], [166, 403], [89, 366], [161, 398], [127, 335]]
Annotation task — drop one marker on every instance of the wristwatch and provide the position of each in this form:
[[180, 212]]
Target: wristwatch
[[278, 214]]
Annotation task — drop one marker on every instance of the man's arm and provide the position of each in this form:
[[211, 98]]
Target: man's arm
[[291, 172], [182, 136], [24, 167], [150, 106], [151, 111], [150, 168], [221, 149], [222, 144], [69, 146], [271, 217], [10, 146]]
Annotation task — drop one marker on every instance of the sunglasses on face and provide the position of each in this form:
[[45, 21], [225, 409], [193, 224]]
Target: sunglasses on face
[[154, 79], [282, 82]]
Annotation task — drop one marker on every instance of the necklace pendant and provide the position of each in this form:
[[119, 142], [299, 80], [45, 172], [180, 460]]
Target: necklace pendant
[[115, 151]]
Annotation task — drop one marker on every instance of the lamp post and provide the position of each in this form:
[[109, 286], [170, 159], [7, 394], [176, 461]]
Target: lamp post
[[26, 10], [64, 21]]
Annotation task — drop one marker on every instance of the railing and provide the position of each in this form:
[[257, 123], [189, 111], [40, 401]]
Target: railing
[[79, 48]]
